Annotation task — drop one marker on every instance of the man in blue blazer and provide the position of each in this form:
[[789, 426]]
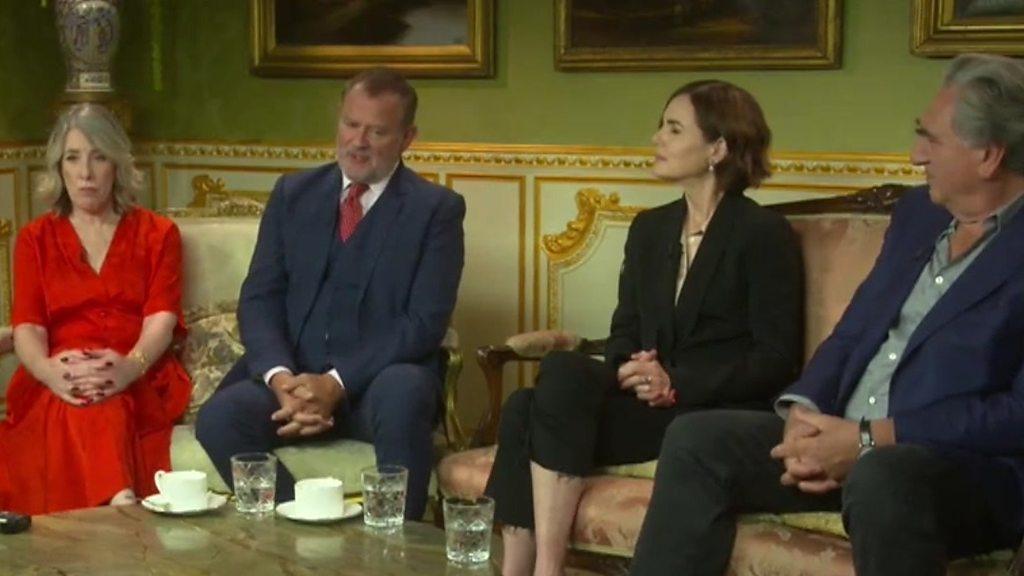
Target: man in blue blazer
[[910, 416], [348, 296]]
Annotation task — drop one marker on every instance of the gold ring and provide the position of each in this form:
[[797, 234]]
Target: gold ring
[[648, 379]]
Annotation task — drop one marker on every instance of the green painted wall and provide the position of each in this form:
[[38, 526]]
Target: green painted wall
[[207, 92]]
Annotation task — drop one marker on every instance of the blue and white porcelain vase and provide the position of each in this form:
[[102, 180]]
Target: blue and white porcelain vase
[[89, 31]]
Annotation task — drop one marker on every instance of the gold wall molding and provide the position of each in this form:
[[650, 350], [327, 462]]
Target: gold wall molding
[[319, 153], [590, 205], [208, 192], [510, 155], [15, 152]]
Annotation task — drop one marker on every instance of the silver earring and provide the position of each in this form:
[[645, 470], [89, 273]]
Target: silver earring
[[711, 166]]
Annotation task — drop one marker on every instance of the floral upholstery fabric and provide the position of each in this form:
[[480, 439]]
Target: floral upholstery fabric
[[612, 509], [211, 348]]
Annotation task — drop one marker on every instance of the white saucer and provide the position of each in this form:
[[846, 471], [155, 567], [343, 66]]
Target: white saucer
[[158, 503], [287, 509]]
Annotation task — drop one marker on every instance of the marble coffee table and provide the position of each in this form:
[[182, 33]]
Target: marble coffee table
[[131, 540]]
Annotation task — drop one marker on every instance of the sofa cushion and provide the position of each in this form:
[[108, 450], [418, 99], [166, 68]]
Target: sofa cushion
[[215, 257], [764, 546], [838, 252], [341, 459], [613, 501], [612, 509]]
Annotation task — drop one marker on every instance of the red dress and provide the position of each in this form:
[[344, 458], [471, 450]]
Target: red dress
[[55, 456]]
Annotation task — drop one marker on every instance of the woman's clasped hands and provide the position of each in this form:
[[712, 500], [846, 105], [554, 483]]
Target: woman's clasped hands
[[646, 377], [83, 377]]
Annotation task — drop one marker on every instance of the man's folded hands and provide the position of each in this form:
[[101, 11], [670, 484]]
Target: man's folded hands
[[308, 402]]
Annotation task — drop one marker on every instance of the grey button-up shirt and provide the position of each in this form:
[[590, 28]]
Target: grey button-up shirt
[[870, 398]]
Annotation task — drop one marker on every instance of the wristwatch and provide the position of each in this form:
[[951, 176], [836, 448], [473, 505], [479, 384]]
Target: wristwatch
[[867, 441]]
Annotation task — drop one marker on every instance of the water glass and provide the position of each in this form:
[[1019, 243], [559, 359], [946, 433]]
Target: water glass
[[384, 495], [467, 527], [255, 474]]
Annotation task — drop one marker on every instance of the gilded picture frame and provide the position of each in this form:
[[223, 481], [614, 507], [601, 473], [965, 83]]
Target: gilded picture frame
[[951, 27], [419, 38], [613, 35]]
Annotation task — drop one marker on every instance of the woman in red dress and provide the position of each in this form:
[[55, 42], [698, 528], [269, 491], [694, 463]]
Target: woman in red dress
[[97, 303]]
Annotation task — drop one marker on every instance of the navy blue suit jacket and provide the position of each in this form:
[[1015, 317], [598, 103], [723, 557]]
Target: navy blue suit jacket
[[400, 299], [959, 386]]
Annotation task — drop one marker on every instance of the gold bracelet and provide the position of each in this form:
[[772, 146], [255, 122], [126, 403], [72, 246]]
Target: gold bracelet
[[140, 357]]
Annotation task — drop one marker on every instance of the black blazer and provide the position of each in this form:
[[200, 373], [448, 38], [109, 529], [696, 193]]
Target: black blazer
[[736, 336]]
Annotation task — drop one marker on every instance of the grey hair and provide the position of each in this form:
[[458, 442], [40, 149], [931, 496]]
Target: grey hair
[[104, 132], [990, 105]]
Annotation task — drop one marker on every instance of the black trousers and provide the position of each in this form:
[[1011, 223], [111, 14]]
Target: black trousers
[[574, 419], [907, 509]]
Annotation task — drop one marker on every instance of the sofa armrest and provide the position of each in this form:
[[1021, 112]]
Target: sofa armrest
[[492, 360], [453, 432]]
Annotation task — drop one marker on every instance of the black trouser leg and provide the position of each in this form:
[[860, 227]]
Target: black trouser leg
[[908, 510], [510, 483], [713, 466], [574, 419]]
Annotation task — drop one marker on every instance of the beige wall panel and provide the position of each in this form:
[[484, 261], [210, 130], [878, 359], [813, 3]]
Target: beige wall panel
[[491, 304], [35, 207], [585, 293], [9, 189], [10, 193], [589, 290], [147, 196]]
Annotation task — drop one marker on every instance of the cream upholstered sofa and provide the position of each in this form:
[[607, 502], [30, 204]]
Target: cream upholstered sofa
[[218, 236], [840, 239]]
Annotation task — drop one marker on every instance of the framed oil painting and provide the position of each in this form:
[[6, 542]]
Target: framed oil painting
[[697, 34], [420, 38], [950, 27]]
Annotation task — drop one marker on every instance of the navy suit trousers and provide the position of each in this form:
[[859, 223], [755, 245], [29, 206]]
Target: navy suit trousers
[[396, 414]]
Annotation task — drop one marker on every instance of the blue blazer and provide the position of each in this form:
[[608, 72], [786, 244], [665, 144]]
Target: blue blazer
[[959, 387], [400, 298]]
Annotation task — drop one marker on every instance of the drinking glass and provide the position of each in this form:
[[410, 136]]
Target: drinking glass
[[255, 474], [467, 527], [384, 495]]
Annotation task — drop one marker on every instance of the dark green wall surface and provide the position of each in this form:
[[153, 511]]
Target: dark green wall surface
[[207, 92]]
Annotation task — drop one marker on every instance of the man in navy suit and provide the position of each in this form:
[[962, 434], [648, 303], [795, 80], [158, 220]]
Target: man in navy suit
[[348, 296], [910, 416]]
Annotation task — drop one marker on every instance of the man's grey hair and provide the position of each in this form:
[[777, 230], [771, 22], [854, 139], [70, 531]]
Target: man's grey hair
[[990, 107]]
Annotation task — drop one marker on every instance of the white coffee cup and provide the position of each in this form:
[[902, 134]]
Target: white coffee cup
[[184, 489], [319, 498]]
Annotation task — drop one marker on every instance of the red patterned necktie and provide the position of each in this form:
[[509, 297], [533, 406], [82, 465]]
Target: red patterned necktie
[[351, 210]]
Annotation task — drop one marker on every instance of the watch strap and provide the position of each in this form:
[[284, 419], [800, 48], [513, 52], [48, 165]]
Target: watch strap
[[867, 440]]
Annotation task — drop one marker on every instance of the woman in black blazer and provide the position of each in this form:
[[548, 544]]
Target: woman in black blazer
[[709, 315]]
